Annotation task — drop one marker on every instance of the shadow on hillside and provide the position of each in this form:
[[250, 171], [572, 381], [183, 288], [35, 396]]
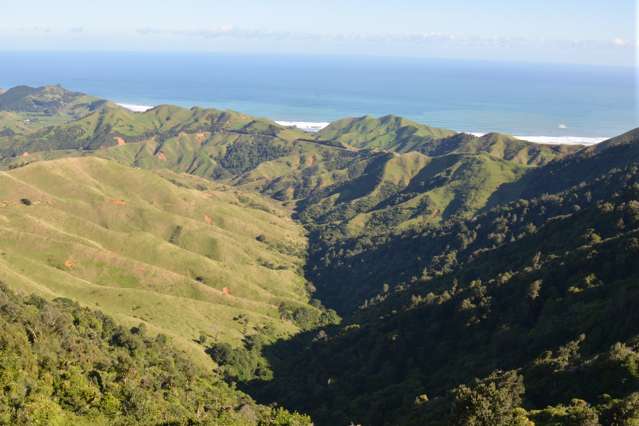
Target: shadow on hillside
[[297, 385]]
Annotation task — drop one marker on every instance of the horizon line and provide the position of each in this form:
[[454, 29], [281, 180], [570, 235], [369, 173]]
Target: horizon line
[[334, 55]]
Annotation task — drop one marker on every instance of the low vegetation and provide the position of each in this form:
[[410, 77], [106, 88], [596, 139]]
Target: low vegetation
[[62, 364]]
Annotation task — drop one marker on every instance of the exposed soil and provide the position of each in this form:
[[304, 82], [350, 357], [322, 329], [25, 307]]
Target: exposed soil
[[200, 137]]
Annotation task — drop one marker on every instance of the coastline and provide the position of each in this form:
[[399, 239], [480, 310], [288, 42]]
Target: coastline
[[554, 140], [316, 126]]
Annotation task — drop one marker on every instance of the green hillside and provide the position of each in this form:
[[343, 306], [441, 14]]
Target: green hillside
[[183, 255], [344, 183], [344, 176], [572, 170], [62, 364], [522, 314], [400, 191], [386, 133], [35, 108], [397, 134], [481, 280], [500, 146]]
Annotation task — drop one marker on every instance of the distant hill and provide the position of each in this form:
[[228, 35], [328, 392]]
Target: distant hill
[[386, 133], [586, 164], [43, 106], [400, 135], [500, 146], [357, 171]]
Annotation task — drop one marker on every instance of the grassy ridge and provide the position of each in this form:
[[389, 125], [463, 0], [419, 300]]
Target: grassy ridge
[[386, 133], [35, 108], [182, 254]]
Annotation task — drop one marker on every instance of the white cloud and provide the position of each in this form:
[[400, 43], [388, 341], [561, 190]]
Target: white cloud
[[619, 42], [218, 32], [36, 29], [467, 40]]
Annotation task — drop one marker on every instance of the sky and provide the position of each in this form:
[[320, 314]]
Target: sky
[[600, 32]]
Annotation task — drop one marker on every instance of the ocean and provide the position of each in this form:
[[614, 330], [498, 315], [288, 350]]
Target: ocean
[[569, 103]]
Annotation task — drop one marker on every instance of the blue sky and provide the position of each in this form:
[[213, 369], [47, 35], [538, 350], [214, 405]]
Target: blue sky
[[584, 31]]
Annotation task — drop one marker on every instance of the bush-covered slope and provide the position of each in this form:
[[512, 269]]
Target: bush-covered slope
[[61, 364], [349, 268], [543, 288], [569, 171]]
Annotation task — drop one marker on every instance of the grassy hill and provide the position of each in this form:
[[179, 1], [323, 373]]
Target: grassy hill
[[36, 107], [364, 174], [357, 178], [400, 191], [397, 134], [185, 256], [385, 133]]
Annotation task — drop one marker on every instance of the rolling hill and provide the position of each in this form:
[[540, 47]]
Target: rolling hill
[[34, 108], [185, 256], [385, 133], [482, 279], [358, 176]]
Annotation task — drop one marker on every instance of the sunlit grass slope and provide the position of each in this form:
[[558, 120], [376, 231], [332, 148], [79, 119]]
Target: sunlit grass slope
[[182, 254]]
